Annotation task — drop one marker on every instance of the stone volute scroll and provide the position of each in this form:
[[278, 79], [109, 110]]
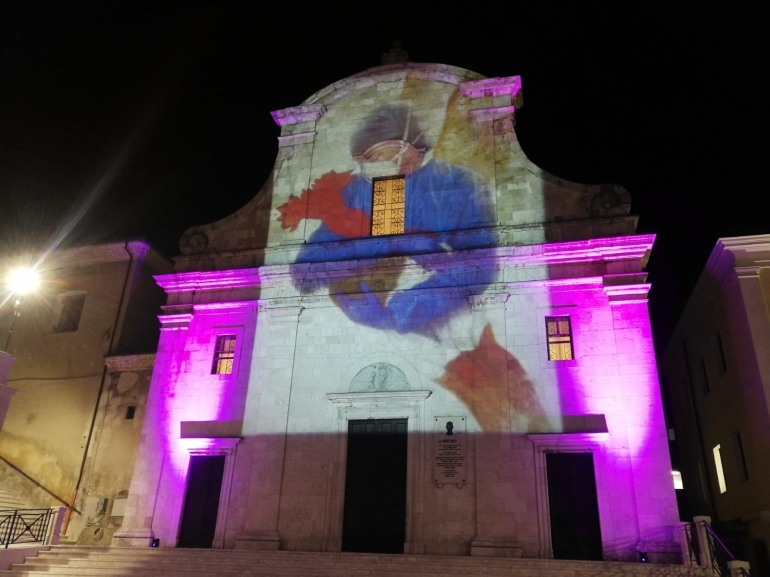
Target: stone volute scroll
[[449, 452]]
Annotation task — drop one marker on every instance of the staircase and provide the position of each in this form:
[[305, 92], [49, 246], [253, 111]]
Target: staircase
[[11, 501], [80, 561]]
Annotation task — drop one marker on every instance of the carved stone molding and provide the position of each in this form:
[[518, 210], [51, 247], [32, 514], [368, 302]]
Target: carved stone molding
[[130, 362]]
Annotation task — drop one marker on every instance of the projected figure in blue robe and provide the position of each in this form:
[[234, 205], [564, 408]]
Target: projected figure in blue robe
[[440, 202]]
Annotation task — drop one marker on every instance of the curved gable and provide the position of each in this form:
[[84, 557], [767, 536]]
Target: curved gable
[[448, 132]]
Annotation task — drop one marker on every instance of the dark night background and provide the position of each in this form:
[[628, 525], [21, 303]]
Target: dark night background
[[132, 119]]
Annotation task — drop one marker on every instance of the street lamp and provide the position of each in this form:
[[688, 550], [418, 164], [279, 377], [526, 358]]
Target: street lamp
[[20, 281]]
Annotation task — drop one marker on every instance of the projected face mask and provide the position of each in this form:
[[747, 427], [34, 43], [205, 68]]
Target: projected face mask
[[389, 158]]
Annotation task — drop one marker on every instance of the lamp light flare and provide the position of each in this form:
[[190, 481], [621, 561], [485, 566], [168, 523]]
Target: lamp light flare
[[23, 280], [20, 281]]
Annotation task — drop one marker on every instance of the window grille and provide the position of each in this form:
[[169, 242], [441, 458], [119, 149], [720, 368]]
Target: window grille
[[388, 202], [559, 335]]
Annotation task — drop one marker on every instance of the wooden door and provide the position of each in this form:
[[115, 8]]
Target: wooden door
[[374, 519], [201, 503], [574, 511]]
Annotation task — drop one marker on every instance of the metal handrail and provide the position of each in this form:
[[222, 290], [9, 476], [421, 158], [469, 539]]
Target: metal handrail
[[19, 526], [719, 551], [719, 554]]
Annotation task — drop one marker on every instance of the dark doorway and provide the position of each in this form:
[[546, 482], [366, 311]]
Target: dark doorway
[[375, 487], [201, 503], [575, 530]]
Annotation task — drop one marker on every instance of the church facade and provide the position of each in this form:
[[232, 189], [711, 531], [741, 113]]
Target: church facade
[[412, 340]]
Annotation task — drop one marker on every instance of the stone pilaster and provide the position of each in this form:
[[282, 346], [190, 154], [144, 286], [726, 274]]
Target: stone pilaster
[[264, 430]]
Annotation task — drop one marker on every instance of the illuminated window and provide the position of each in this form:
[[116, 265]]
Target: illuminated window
[[71, 307], [224, 355], [720, 472], [677, 476], [559, 335], [388, 205]]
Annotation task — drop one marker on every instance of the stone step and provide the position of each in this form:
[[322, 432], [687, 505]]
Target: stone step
[[11, 501], [167, 562]]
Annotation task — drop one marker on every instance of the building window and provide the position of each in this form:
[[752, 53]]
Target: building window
[[704, 376], [721, 356], [688, 370], [70, 309], [559, 335], [741, 456], [388, 200], [224, 355], [720, 471]]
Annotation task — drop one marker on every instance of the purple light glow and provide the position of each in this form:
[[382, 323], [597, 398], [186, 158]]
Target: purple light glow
[[447, 319], [613, 380]]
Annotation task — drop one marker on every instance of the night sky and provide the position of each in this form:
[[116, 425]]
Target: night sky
[[131, 119]]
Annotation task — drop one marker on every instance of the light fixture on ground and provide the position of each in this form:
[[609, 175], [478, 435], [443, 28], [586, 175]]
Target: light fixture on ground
[[19, 282]]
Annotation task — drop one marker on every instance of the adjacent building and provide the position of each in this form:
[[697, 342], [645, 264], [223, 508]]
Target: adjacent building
[[76, 367], [717, 369], [413, 340]]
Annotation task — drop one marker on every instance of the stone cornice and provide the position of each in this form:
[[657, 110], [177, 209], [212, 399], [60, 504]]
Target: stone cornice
[[626, 254], [628, 293], [108, 252], [498, 99], [179, 317], [298, 114], [209, 280], [377, 397], [635, 248], [741, 252], [176, 321], [509, 86], [747, 271]]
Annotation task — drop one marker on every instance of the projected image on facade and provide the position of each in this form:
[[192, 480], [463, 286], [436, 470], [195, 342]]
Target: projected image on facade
[[436, 198], [474, 376], [431, 200]]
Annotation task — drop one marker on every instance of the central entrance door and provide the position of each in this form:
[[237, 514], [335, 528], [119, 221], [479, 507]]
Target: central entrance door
[[374, 519], [575, 529]]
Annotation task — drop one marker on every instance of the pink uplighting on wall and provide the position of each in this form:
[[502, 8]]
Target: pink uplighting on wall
[[586, 385], [407, 265], [191, 393]]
